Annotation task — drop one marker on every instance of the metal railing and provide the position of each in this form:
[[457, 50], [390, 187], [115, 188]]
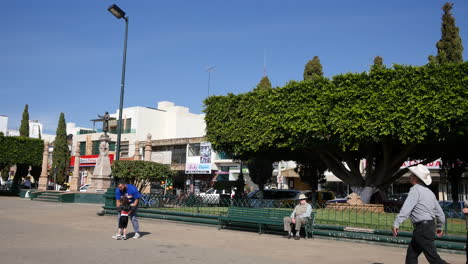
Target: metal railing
[[111, 131], [5, 187], [362, 216]]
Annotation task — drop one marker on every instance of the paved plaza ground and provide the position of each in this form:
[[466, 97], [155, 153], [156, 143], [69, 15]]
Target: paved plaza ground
[[52, 233]]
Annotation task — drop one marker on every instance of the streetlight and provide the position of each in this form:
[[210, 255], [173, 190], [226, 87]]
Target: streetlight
[[119, 13]]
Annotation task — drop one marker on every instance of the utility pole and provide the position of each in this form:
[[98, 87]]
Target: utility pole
[[209, 70]]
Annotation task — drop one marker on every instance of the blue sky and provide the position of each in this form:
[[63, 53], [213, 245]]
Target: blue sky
[[66, 56]]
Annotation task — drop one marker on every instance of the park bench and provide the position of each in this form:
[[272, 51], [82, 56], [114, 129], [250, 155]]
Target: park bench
[[262, 218]]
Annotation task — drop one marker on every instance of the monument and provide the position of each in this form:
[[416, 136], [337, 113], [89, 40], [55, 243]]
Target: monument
[[101, 179], [75, 179], [44, 178]]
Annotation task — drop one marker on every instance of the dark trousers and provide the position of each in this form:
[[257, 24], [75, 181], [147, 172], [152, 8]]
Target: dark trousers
[[423, 242], [466, 246]]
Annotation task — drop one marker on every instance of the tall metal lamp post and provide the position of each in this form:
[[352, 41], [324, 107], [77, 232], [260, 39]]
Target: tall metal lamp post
[[119, 13]]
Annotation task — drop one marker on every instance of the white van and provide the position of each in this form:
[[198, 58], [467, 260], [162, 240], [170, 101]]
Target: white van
[[211, 196]]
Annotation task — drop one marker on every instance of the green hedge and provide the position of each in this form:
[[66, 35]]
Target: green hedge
[[20, 150]]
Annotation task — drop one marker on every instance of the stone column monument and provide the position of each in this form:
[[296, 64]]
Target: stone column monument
[[101, 179], [137, 155], [75, 180], [148, 148], [43, 179]]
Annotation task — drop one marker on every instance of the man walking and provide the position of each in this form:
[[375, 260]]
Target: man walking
[[465, 211], [422, 208], [298, 217], [133, 195]]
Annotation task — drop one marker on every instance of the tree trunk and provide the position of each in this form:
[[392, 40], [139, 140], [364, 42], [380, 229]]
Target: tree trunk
[[454, 176], [365, 192]]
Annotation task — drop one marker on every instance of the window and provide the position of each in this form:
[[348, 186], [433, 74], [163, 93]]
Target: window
[[123, 148], [179, 153], [128, 125], [82, 148], [194, 150], [112, 146], [95, 150], [223, 155]]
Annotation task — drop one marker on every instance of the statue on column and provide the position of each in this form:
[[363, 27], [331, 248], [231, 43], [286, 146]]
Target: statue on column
[[105, 122]]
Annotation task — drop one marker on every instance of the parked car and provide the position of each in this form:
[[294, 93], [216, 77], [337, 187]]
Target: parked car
[[320, 198], [453, 209], [287, 198], [337, 200], [84, 188], [212, 196], [394, 202]]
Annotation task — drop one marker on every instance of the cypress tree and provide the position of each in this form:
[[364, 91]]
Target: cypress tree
[[61, 154], [264, 83], [378, 61], [313, 69], [24, 128], [449, 47]]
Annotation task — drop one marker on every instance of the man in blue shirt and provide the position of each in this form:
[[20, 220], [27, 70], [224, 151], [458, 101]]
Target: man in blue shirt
[[133, 195]]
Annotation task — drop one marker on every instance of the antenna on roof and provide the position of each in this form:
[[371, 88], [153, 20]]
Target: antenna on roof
[[209, 70]]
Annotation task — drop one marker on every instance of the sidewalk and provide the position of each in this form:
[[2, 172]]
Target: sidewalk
[[53, 233]]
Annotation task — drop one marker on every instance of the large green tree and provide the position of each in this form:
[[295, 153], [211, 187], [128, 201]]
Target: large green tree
[[61, 154], [385, 116], [449, 47], [313, 69], [22, 152], [24, 128], [140, 173]]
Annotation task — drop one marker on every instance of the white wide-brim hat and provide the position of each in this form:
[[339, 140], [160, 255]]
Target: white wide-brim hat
[[302, 197], [422, 173]]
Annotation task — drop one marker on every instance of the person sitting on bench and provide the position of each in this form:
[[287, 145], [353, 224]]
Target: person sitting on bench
[[297, 218]]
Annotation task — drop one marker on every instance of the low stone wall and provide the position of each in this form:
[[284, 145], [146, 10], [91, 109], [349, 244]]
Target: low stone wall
[[376, 208]]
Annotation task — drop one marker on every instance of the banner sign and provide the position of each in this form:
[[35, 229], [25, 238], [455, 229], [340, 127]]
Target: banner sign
[[200, 164], [205, 152], [88, 160], [436, 164], [197, 168]]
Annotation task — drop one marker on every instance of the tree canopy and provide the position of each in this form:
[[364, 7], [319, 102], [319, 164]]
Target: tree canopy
[[386, 116], [20, 150], [140, 173]]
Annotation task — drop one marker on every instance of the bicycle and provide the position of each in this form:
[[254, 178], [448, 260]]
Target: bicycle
[[149, 200]]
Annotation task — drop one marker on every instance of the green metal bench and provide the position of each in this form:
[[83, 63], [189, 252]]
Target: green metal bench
[[263, 218]]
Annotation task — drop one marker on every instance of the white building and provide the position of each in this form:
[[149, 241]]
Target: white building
[[3, 124], [35, 129], [167, 121]]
